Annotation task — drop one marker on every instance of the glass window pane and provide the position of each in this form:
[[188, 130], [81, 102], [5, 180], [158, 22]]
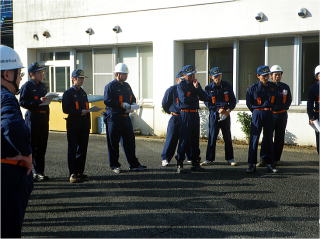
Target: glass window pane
[[281, 52], [202, 79], [60, 79], [223, 58], [52, 78], [103, 62], [100, 82], [196, 54], [46, 56], [310, 59], [46, 81], [63, 55], [84, 62], [251, 55], [146, 64], [128, 55]]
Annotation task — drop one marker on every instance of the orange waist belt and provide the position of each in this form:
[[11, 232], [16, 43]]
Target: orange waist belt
[[189, 110], [263, 109], [20, 163], [278, 112], [316, 111], [174, 114]]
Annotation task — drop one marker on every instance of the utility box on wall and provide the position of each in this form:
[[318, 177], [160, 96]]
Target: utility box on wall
[[57, 120]]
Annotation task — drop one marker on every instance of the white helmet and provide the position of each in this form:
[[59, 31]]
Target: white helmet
[[276, 68], [121, 68], [317, 70], [9, 59]]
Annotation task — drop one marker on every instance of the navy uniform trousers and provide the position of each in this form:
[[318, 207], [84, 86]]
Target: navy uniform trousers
[[38, 124], [261, 119], [189, 138], [16, 187], [172, 137], [78, 137], [120, 128], [279, 124], [214, 127]]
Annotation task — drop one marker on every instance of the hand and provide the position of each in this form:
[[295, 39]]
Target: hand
[[311, 122], [43, 99], [26, 161], [126, 106], [195, 83], [84, 112]]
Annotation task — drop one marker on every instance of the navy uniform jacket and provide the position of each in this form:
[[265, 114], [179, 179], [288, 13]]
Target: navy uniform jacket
[[170, 101], [260, 96], [15, 136], [313, 101], [221, 96], [73, 102], [189, 96], [283, 101], [30, 95], [115, 94]]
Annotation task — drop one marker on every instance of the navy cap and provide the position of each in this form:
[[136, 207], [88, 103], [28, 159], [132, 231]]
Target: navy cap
[[188, 70], [179, 74], [215, 71], [263, 70], [34, 67], [78, 73]]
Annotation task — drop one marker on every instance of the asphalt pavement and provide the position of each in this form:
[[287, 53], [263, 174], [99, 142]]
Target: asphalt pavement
[[221, 202]]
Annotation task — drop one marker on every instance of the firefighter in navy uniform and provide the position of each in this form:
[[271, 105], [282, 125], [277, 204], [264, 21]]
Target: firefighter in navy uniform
[[221, 102], [260, 99], [32, 95], [75, 104], [313, 104], [16, 158], [279, 115], [120, 101], [189, 94]]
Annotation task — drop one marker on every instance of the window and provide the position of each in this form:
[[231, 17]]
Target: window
[[281, 52], [196, 54], [251, 55], [84, 62], [46, 56], [63, 55], [62, 76], [146, 71], [223, 58], [103, 69], [310, 59]]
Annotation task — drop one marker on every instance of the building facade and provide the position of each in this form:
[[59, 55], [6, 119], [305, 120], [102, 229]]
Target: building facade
[[156, 38]]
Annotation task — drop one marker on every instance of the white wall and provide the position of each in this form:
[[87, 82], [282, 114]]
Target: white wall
[[164, 24]]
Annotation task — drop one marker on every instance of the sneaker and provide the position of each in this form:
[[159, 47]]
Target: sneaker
[[197, 169], [262, 163], [139, 168], [116, 170], [180, 169], [232, 162], [74, 179], [251, 168], [188, 161], [207, 163], [271, 169], [165, 163], [38, 177]]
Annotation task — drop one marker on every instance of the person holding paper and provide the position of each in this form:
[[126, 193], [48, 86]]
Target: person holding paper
[[221, 102], [75, 104], [120, 101], [279, 116], [313, 104], [32, 96]]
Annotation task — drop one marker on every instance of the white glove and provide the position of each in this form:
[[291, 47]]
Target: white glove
[[126, 106], [222, 117], [134, 106]]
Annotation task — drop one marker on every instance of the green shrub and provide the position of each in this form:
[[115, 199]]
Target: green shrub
[[245, 121]]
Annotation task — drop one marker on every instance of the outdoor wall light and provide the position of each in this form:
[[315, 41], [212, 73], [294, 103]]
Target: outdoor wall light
[[46, 34], [90, 31], [260, 17], [116, 29], [35, 36], [303, 12]]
